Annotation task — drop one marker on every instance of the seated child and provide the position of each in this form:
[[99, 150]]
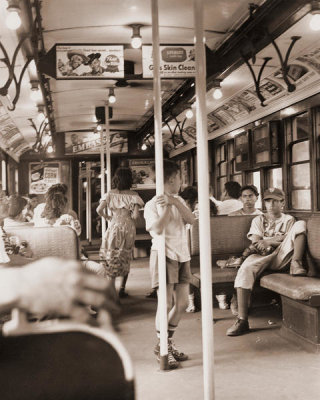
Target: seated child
[[277, 240]]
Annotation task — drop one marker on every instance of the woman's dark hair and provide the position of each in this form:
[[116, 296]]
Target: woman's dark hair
[[190, 194], [122, 179], [57, 188], [233, 189], [55, 205], [250, 187]]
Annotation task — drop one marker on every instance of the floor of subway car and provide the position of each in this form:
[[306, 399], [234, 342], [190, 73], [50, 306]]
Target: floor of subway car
[[259, 365]]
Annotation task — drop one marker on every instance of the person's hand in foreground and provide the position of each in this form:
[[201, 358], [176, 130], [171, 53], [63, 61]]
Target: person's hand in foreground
[[54, 286]]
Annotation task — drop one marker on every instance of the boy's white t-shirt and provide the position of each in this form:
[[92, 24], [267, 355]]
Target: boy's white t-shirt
[[175, 231]]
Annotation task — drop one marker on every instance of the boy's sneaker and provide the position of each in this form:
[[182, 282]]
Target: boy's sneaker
[[222, 300], [191, 308], [172, 362], [179, 356], [240, 327]]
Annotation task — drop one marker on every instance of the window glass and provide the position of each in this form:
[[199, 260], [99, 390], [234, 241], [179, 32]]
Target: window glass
[[222, 181], [300, 151], [302, 127], [237, 178], [274, 177], [223, 168], [256, 181], [301, 199], [300, 175]]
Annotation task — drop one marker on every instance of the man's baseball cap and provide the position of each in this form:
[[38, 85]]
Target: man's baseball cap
[[274, 193]]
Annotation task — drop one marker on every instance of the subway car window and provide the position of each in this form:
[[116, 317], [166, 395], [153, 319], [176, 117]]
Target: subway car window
[[299, 165]]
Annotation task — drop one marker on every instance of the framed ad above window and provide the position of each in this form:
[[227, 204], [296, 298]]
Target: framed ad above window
[[242, 151], [42, 175], [143, 173], [265, 146], [78, 142]]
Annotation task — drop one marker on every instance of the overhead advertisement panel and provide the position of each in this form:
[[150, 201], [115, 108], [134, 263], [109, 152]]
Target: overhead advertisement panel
[[89, 61], [90, 142], [177, 61]]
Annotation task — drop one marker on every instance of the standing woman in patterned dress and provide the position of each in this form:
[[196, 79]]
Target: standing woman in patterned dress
[[120, 206]]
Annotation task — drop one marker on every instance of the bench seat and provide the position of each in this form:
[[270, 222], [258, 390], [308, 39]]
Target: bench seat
[[296, 288]]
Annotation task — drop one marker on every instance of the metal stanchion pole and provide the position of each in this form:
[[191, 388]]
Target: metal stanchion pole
[[204, 209], [103, 177], [162, 293]]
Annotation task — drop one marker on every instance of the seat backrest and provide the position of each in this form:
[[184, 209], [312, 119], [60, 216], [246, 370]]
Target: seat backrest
[[313, 227], [65, 361], [228, 234], [46, 241]]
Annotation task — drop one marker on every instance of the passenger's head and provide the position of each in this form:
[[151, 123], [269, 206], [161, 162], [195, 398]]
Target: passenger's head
[[232, 189], [33, 200], [171, 176], [274, 200], [249, 195], [57, 188], [16, 205], [122, 179], [56, 204], [190, 195]]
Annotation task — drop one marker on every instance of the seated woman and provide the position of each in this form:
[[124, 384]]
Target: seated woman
[[56, 213], [15, 217], [58, 188]]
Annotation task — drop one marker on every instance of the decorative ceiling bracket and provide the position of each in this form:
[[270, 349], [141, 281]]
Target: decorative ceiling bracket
[[257, 79], [38, 145], [173, 131], [12, 76], [284, 62]]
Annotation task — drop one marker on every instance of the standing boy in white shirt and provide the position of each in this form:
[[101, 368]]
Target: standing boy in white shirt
[[170, 212]]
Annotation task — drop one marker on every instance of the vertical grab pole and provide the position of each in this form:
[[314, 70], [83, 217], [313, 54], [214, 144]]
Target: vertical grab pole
[[204, 213], [162, 298], [103, 176], [108, 149]]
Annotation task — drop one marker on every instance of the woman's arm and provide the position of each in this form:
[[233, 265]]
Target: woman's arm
[[101, 209], [135, 212]]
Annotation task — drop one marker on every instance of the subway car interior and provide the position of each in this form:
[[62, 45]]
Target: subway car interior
[[230, 92]]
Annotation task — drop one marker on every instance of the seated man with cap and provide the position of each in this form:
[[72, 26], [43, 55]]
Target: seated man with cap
[[279, 240]]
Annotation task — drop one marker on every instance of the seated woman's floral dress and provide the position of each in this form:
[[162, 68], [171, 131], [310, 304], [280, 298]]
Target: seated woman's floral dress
[[118, 241]]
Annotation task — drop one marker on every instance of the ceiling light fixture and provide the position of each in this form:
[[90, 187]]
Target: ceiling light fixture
[[217, 93], [41, 114], [35, 94], [136, 38], [13, 20], [315, 19], [112, 98], [189, 113], [99, 128]]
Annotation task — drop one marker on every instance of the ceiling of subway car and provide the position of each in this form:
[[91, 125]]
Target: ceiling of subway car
[[107, 22]]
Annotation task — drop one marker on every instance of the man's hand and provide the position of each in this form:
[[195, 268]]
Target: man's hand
[[164, 200], [262, 245], [55, 285]]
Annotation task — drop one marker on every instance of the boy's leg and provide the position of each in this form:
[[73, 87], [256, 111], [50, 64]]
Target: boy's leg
[[172, 362], [241, 325], [292, 249], [250, 269], [175, 314], [296, 267]]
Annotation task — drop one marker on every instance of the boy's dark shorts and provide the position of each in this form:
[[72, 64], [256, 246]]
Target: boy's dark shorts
[[177, 272]]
